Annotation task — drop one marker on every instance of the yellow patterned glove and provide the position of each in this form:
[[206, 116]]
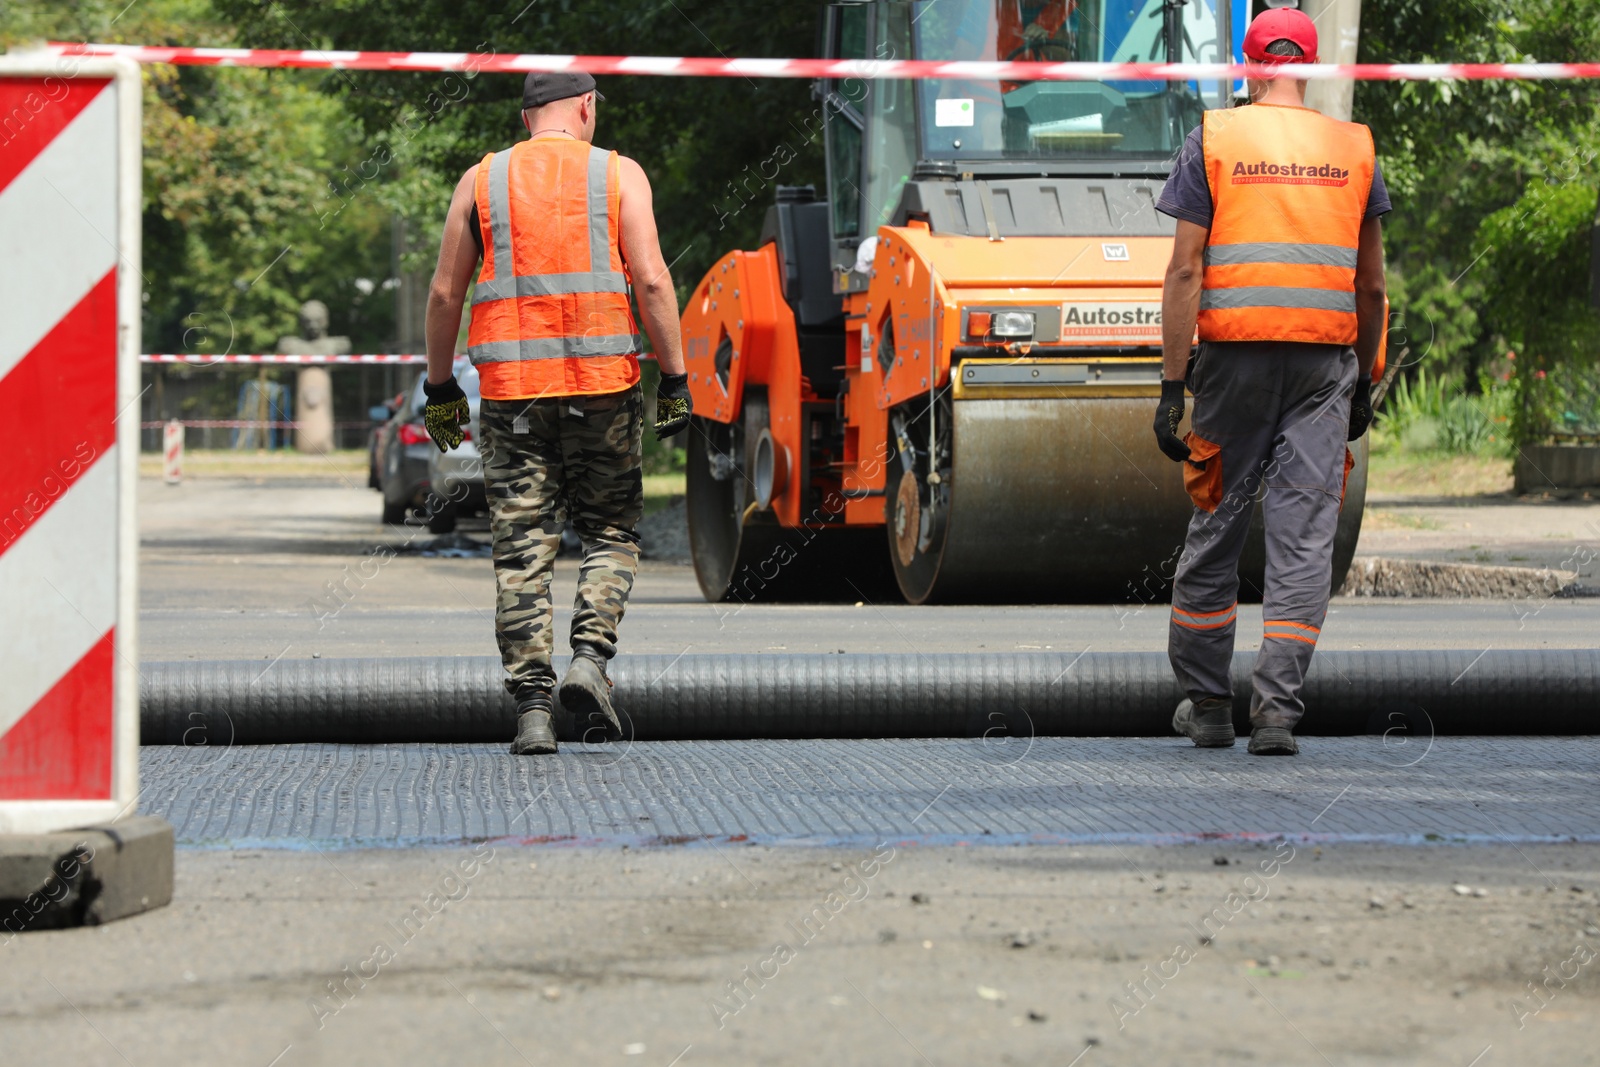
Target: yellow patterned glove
[[446, 413], [673, 406]]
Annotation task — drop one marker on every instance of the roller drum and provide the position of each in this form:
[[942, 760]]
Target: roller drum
[[741, 553], [1068, 500]]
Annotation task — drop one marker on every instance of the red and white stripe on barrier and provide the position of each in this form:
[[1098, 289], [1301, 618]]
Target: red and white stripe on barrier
[[69, 341], [201, 360], [703, 67]]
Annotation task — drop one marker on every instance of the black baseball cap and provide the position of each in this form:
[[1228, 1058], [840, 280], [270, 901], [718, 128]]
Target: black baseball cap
[[546, 87]]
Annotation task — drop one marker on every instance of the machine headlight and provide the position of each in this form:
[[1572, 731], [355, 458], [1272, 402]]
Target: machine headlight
[[1013, 324]]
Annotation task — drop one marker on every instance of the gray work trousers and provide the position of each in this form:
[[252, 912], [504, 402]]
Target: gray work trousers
[[1273, 415]]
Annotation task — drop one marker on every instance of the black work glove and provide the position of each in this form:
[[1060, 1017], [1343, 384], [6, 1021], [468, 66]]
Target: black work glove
[[1168, 414], [1361, 408], [446, 413], [673, 406]]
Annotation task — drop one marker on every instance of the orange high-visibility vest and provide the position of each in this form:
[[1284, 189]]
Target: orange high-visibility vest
[[1289, 190], [550, 314]]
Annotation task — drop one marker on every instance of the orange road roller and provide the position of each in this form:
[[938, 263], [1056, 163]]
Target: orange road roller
[[939, 379]]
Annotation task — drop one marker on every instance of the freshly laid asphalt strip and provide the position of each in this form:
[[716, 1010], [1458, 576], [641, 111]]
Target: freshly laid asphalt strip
[[1005, 791], [689, 697]]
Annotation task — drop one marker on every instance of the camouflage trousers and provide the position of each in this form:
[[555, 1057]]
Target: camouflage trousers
[[543, 461]]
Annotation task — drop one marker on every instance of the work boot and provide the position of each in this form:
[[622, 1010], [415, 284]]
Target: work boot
[[1273, 741], [1209, 726], [535, 736], [586, 693]]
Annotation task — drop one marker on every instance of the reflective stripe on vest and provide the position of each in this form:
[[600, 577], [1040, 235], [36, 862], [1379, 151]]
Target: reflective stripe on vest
[[1280, 252], [1277, 296], [550, 312], [616, 344], [1289, 191]]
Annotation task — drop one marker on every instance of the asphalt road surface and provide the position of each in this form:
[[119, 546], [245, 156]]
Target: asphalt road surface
[[495, 953], [1070, 902], [233, 569]]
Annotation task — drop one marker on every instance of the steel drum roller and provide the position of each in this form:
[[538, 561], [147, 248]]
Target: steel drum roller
[[1065, 500]]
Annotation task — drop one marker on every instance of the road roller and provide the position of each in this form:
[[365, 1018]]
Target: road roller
[[937, 378]]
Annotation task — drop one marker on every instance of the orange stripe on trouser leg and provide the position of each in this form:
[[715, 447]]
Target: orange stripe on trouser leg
[[1307, 627], [1289, 637], [1229, 621], [1204, 614]]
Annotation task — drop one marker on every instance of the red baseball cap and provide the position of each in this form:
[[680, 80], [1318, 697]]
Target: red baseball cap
[[1281, 24]]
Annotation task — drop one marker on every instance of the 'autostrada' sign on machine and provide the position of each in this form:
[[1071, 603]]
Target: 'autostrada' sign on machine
[[1120, 320]]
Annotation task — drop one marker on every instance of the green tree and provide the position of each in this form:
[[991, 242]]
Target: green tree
[[1489, 181], [1538, 259], [237, 168], [714, 148]]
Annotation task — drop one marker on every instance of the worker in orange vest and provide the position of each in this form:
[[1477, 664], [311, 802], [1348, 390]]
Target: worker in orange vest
[[1279, 261], [563, 230]]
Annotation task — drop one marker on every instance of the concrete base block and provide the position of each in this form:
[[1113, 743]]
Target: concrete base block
[[1546, 468], [84, 877]]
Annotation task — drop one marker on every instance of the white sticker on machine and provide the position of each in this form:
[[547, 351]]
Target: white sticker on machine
[[954, 112], [1119, 320]]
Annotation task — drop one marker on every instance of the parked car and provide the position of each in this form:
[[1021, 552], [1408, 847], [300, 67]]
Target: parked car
[[380, 415], [456, 476], [407, 466], [400, 450]]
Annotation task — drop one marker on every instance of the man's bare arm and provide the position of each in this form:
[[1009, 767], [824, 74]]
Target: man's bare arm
[[1180, 298], [652, 283], [458, 260], [1371, 318]]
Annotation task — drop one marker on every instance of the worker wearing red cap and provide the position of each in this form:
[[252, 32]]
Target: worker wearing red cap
[[1278, 261]]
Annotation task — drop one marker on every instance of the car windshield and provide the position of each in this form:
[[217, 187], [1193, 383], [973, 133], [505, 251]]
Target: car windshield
[[978, 118]]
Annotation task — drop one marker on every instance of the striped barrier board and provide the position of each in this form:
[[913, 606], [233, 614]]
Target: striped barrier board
[[172, 452], [69, 343], [707, 67]]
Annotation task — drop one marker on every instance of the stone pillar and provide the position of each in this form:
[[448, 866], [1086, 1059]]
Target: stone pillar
[[313, 410], [313, 401]]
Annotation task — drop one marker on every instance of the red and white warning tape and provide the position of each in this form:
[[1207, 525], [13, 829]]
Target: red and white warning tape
[[242, 424], [198, 359], [698, 66], [202, 360]]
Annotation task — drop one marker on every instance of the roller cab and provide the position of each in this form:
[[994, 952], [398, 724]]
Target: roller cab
[[939, 379]]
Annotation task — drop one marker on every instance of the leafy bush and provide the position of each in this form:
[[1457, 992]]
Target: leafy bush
[[1436, 413]]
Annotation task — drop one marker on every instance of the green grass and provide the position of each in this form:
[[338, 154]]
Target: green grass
[[659, 489], [1437, 414], [1393, 520], [348, 464], [1394, 474]]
